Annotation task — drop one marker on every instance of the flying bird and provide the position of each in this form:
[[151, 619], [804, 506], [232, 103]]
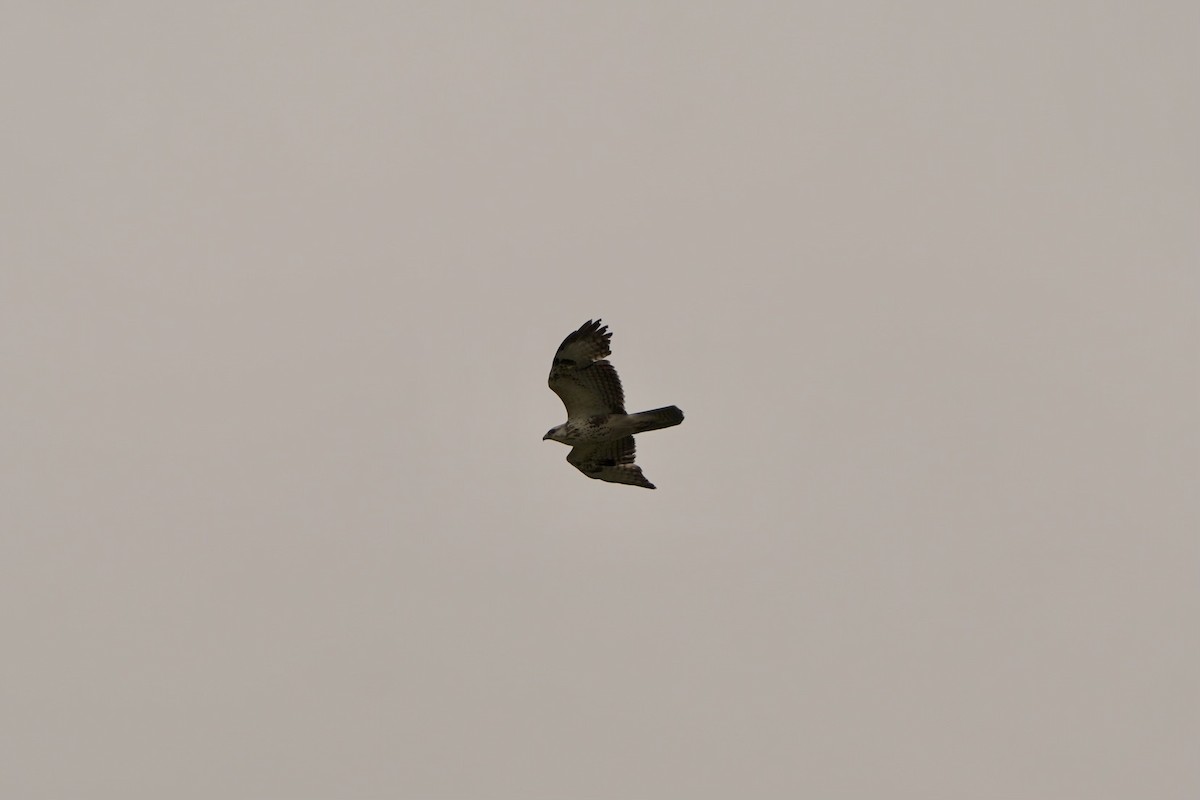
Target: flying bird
[[598, 430]]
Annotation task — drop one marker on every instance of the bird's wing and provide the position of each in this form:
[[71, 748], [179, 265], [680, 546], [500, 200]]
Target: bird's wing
[[609, 461], [586, 384], [589, 343]]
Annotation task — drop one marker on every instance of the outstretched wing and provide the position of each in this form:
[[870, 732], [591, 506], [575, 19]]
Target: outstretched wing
[[586, 384], [609, 461]]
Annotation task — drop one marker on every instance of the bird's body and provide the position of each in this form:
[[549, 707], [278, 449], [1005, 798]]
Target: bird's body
[[598, 430], [610, 427]]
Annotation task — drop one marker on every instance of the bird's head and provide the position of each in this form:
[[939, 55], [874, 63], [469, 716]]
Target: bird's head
[[556, 434]]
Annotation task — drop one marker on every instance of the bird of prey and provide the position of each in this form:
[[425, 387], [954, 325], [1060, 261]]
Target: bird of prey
[[598, 430]]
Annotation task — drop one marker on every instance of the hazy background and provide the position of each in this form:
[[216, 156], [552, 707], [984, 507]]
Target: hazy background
[[280, 286]]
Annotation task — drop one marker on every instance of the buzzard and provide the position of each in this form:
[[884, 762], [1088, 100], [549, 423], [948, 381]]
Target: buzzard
[[598, 430]]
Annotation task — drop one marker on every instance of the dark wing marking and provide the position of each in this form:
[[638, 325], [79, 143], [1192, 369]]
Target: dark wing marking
[[586, 385], [609, 461], [582, 347]]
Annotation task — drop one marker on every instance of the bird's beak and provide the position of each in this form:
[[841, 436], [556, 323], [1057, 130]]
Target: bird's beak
[[544, 438]]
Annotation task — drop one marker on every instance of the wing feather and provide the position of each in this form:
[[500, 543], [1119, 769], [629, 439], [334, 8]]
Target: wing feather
[[609, 461], [586, 392], [589, 343]]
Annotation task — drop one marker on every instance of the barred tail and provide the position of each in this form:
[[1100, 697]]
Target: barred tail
[[658, 418]]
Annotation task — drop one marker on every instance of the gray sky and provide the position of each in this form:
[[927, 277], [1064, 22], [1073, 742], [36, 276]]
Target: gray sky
[[279, 289]]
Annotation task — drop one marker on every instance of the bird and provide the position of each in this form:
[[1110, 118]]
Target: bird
[[598, 431]]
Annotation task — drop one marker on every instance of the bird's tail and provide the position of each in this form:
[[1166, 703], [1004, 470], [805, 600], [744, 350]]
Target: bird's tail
[[658, 418]]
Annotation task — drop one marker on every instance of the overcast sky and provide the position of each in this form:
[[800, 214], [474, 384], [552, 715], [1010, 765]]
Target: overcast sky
[[279, 288]]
